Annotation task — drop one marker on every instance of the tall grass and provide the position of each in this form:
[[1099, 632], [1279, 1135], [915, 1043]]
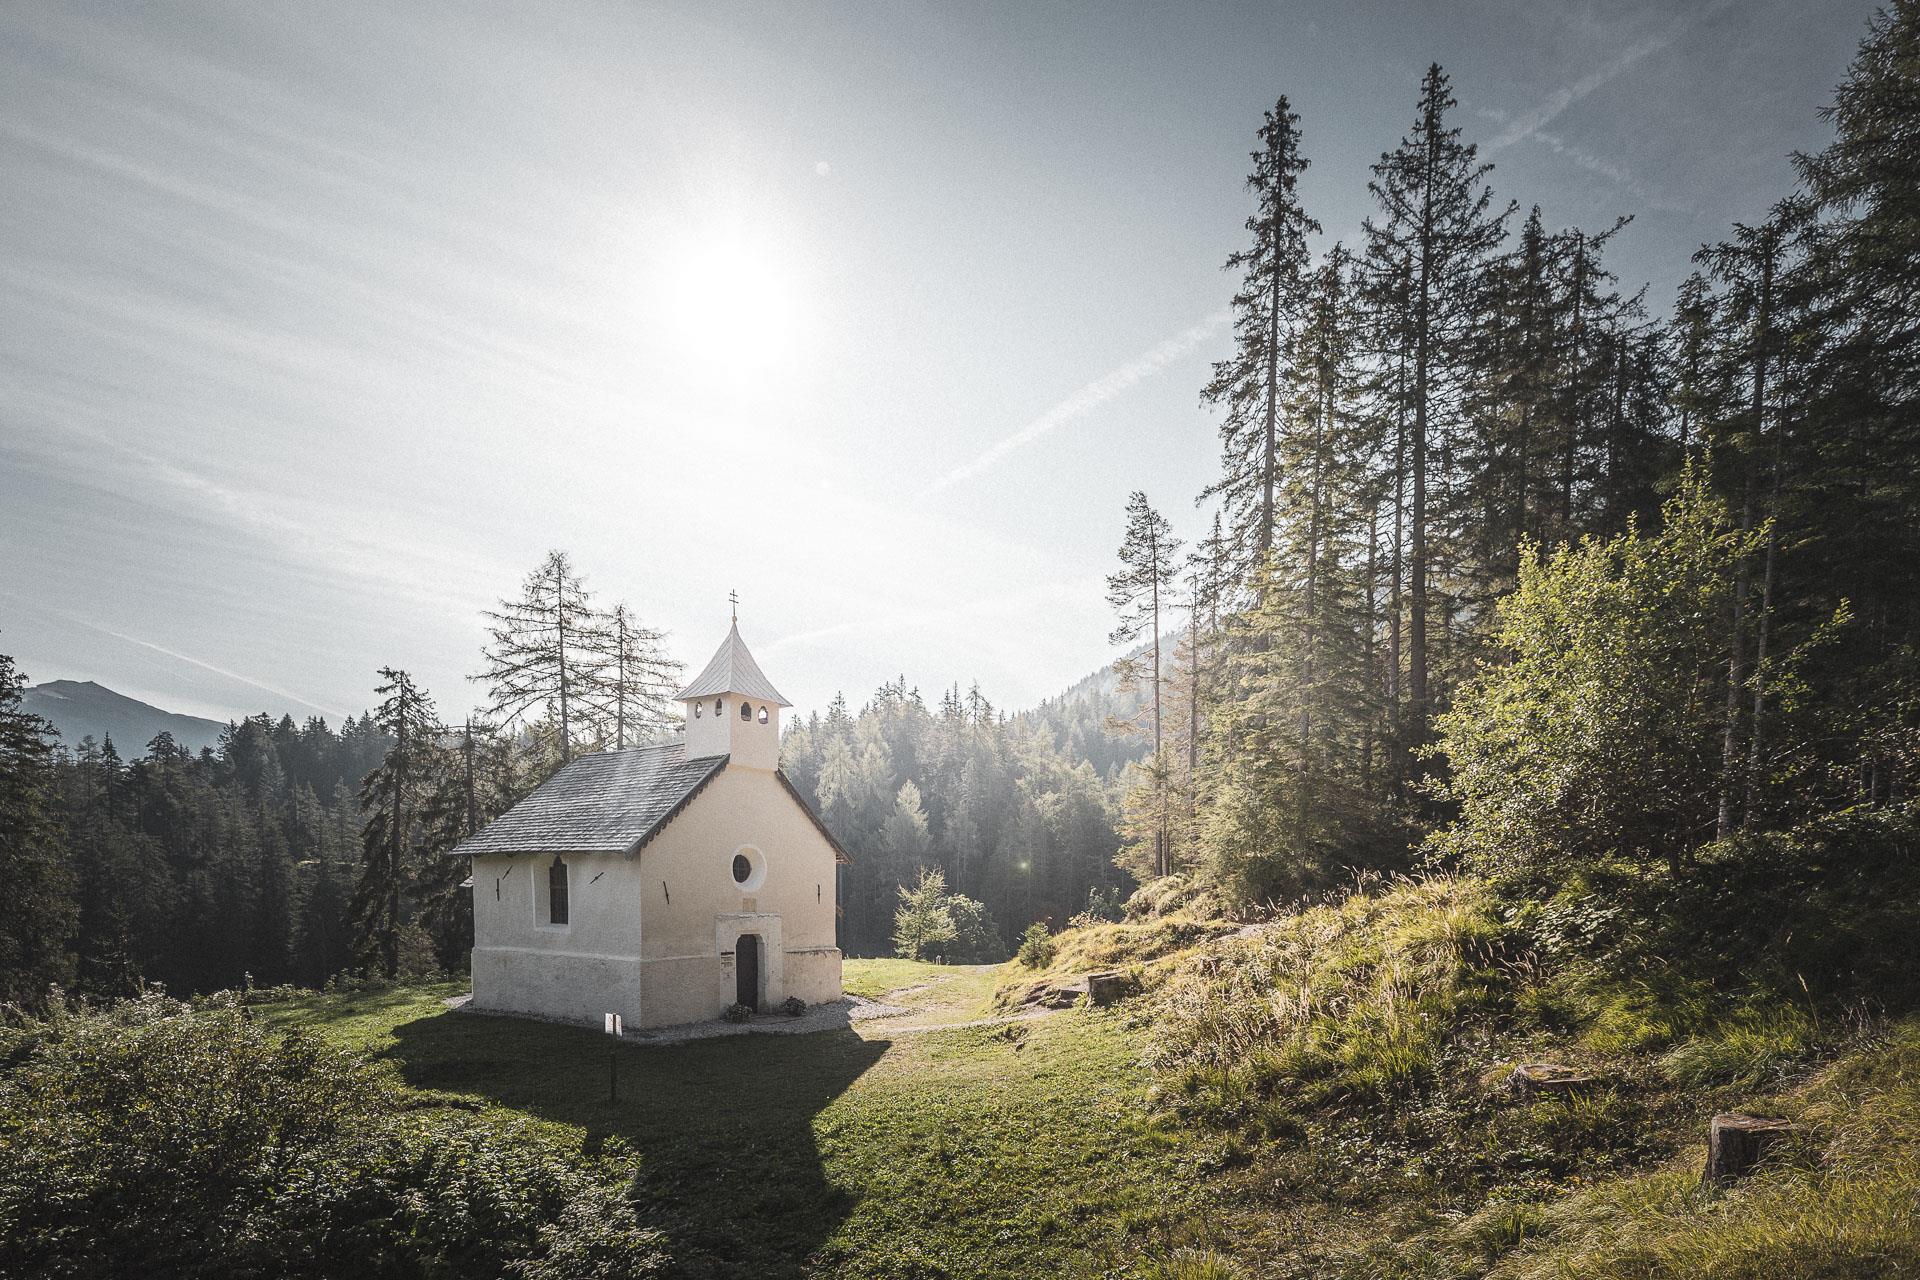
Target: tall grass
[[1348, 1000]]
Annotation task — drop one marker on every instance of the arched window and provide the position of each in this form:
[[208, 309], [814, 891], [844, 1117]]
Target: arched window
[[698, 708], [718, 707], [763, 715], [557, 892], [746, 712]]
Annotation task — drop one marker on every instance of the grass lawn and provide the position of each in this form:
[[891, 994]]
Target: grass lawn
[[874, 978], [1020, 1149]]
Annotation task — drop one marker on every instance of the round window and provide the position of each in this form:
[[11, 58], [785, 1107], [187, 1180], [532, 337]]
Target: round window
[[742, 868]]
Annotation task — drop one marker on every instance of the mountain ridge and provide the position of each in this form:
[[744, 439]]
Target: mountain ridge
[[83, 708]]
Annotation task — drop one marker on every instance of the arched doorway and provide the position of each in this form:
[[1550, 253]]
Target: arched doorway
[[746, 970]]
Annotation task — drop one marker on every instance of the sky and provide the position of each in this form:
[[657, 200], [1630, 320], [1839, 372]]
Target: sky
[[321, 324]]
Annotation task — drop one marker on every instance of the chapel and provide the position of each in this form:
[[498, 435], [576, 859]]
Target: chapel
[[662, 883]]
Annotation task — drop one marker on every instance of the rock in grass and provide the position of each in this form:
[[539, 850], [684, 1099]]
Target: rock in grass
[[1109, 988], [1532, 1079], [1736, 1143]]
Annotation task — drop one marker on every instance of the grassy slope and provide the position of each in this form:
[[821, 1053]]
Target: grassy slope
[[1010, 1150], [1324, 1106]]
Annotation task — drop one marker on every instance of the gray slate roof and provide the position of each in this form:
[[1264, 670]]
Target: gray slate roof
[[609, 802], [733, 670]]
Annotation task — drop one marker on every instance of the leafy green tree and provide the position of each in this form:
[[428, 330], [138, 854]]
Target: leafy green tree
[[923, 923], [1597, 739]]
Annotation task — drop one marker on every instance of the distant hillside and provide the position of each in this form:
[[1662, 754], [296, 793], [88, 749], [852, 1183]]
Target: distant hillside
[[78, 708]]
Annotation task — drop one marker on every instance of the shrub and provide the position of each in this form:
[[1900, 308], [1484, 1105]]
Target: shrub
[[793, 1006], [159, 1140], [738, 1013], [1594, 741], [1036, 946]]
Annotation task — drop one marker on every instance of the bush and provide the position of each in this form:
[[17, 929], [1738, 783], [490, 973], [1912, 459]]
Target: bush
[[1036, 946], [793, 1006], [738, 1013], [1593, 743], [160, 1140]]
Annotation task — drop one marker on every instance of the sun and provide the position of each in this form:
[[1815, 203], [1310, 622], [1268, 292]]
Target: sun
[[729, 304]]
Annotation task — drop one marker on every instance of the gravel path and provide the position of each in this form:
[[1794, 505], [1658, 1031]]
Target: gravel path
[[839, 1015]]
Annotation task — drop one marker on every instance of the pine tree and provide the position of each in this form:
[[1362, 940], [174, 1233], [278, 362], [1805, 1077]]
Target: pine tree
[[1149, 559], [1427, 249], [544, 651], [37, 926], [1750, 269], [923, 923], [632, 680], [1270, 296], [392, 802]]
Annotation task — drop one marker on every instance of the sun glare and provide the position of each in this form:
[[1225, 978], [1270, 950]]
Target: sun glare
[[729, 304]]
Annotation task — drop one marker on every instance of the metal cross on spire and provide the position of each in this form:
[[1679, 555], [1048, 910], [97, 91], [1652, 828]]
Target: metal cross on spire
[[733, 598]]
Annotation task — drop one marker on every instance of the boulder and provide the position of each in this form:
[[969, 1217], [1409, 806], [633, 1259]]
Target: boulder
[[1736, 1143]]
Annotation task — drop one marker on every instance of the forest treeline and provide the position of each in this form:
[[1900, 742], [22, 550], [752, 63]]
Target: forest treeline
[[296, 853], [1499, 539], [1017, 811]]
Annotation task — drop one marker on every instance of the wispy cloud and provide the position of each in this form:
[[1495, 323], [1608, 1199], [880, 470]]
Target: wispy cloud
[[1086, 399], [1529, 123]]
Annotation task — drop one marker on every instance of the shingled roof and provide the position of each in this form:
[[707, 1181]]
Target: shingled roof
[[613, 802], [608, 802], [733, 670]]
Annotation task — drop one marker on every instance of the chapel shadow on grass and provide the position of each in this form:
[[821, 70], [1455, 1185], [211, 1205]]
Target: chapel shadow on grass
[[724, 1127]]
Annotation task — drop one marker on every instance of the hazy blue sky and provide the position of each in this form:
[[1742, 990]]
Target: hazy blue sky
[[319, 324]]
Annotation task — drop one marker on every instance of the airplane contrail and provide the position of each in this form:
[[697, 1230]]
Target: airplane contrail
[[1087, 399]]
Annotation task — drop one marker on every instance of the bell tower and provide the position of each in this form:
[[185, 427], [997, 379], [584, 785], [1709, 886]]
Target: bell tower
[[732, 709]]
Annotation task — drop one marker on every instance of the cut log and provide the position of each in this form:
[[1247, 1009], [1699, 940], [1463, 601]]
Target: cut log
[[1532, 1079], [1736, 1144], [1109, 988]]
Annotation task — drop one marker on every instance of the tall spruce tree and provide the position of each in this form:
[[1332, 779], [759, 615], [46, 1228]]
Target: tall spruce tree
[[1149, 561], [1248, 385], [393, 804], [1428, 246]]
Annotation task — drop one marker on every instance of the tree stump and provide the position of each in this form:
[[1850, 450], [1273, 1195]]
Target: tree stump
[[1531, 1079], [1109, 988], [1736, 1143]]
